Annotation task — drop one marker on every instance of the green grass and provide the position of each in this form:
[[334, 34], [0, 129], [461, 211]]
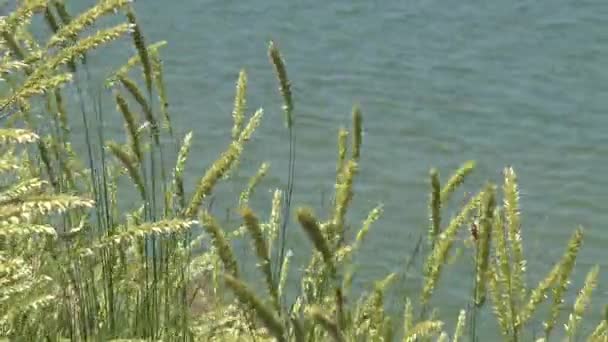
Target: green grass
[[77, 264]]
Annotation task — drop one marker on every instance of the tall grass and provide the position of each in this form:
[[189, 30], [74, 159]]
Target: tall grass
[[78, 264]]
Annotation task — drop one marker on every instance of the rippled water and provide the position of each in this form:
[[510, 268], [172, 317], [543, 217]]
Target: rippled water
[[522, 83]]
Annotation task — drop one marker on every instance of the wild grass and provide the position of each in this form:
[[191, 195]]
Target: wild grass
[[78, 265]]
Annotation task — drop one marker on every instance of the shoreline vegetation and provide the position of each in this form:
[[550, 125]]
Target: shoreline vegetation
[[75, 265]]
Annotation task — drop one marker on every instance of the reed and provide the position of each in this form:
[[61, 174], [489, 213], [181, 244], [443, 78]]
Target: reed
[[84, 257]]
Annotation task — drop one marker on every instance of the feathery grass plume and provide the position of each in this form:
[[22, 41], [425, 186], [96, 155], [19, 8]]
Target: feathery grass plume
[[342, 147], [34, 55], [25, 230], [458, 331], [600, 333], [25, 299], [81, 46], [275, 218], [344, 196], [539, 294], [9, 136], [76, 25], [499, 282], [140, 46], [375, 303], [30, 89], [251, 126], [357, 132], [316, 314], [501, 306], [253, 182], [135, 60], [511, 205], [483, 244], [41, 80], [240, 104], [129, 162], [563, 280], [343, 254], [253, 226], [424, 329], [33, 206], [371, 218], [435, 208], [311, 226], [131, 126], [408, 316], [18, 18], [581, 303], [23, 188], [178, 171], [284, 273], [284, 84], [21, 15], [220, 242], [456, 180], [10, 66], [137, 232], [8, 163], [221, 166], [438, 256], [266, 314]]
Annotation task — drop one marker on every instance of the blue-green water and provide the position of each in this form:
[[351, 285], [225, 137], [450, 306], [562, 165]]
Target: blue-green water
[[521, 83]]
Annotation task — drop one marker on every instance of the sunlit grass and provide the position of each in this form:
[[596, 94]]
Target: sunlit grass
[[75, 264]]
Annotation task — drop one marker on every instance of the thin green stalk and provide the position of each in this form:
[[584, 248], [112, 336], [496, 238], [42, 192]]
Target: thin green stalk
[[285, 90]]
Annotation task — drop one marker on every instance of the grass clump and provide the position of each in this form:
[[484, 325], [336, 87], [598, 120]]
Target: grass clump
[[79, 264]]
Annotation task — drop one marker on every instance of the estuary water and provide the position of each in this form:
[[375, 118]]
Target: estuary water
[[520, 83]]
